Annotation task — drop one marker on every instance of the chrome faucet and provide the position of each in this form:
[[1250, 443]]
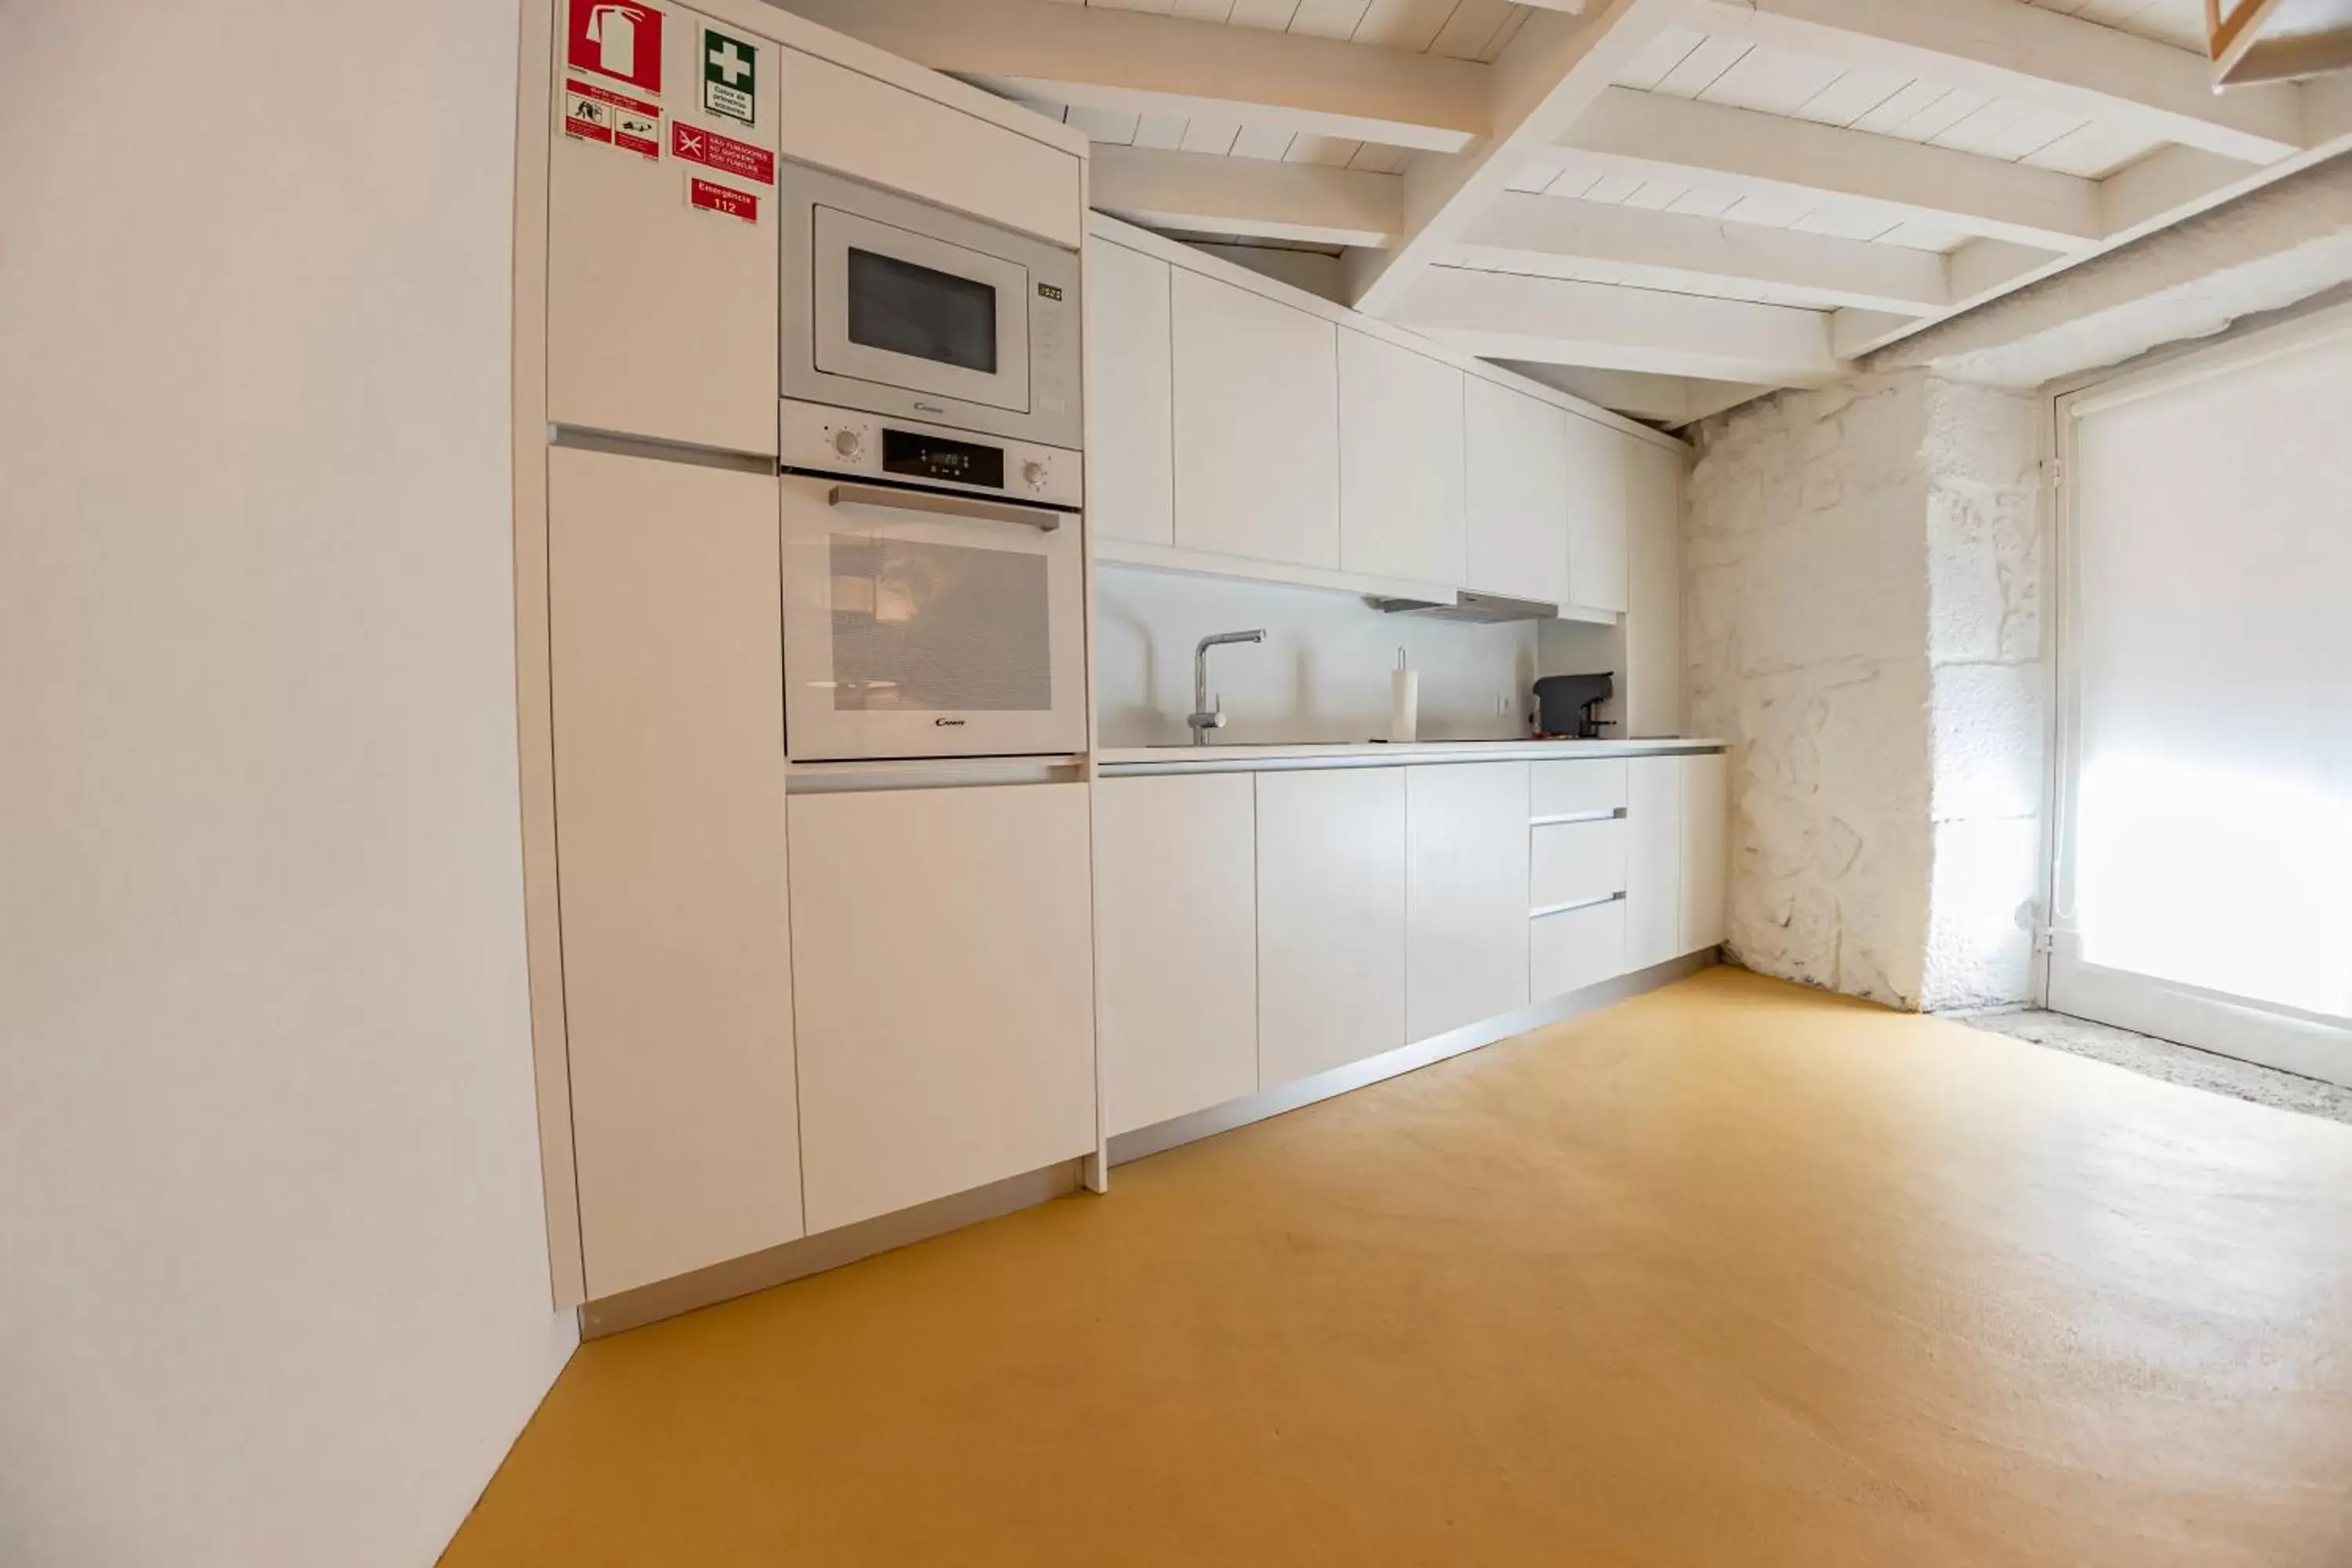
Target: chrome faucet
[[1206, 716]]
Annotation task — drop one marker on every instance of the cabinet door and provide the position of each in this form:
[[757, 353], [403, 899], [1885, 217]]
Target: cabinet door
[[1330, 919], [1400, 463], [1131, 475], [1466, 954], [944, 973], [669, 779], [661, 316], [1653, 860], [1258, 425], [1707, 848], [1518, 493], [1597, 481], [1176, 924], [1650, 685], [1576, 948]]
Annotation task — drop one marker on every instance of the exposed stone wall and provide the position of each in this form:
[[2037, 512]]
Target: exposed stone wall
[[1863, 571]]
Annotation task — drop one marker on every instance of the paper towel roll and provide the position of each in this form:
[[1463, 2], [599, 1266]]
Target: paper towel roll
[[1404, 702]]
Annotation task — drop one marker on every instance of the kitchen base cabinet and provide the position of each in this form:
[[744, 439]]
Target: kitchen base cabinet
[[1705, 848], [1330, 919], [943, 977], [1176, 927], [1576, 948], [1653, 860], [669, 779], [1465, 895]]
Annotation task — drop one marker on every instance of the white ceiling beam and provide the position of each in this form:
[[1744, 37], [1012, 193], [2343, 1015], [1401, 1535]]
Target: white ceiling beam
[[1549, 74], [1606, 244], [1255, 196], [1647, 135], [1138, 62], [1669, 400], [1551, 321], [2005, 49]]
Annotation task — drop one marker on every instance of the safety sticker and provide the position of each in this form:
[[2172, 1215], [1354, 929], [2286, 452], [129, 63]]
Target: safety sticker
[[637, 133], [598, 114], [586, 118], [619, 38], [724, 153], [712, 196], [730, 66]]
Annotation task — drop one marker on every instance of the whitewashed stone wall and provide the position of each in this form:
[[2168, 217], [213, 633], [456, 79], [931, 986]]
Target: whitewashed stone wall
[[1863, 571]]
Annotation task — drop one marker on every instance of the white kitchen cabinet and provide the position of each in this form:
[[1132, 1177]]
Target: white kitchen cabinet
[[1517, 493], [1592, 786], [1256, 422], [669, 778], [1465, 895], [1131, 459], [1599, 476], [661, 315], [1653, 860], [943, 978], [1176, 921], [1576, 862], [1705, 848], [1330, 918], [1400, 462], [1649, 674], [1576, 948]]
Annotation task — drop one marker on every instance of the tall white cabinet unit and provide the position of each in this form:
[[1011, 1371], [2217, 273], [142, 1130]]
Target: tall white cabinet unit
[[1330, 918], [1176, 924], [1400, 462], [1131, 396], [944, 981], [1465, 895], [1256, 424], [677, 943]]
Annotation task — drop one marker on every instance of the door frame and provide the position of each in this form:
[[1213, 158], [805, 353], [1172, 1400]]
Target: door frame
[[2312, 1044]]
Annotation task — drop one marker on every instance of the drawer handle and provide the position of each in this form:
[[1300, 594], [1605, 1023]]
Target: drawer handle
[[947, 506], [1573, 905], [1610, 815]]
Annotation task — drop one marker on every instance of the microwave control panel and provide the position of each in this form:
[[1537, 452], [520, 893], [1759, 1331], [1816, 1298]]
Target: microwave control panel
[[814, 439]]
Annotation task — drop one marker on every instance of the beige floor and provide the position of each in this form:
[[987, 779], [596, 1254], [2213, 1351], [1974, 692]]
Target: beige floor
[[1733, 1274]]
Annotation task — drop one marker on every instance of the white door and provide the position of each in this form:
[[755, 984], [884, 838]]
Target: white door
[[1176, 925], [1599, 492], [1466, 956], [1516, 460], [944, 980], [1400, 477], [1130, 385], [1331, 919], [661, 274], [669, 778], [1258, 425], [2204, 878], [1653, 860], [930, 625]]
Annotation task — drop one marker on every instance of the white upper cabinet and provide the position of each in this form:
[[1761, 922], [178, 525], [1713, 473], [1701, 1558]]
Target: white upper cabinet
[[1517, 493], [1256, 424], [1401, 469], [1330, 919], [1131, 459], [1598, 460], [1466, 956]]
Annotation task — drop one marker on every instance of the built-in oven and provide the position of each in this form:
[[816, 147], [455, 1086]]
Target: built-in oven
[[895, 306], [934, 592]]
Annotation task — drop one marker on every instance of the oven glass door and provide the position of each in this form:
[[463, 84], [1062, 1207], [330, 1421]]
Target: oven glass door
[[906, 310], [929, 626]]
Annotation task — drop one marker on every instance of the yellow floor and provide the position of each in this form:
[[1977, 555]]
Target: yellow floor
[[1733, 1274]]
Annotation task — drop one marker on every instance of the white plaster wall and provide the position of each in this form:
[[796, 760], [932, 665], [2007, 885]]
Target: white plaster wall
[[273, 1277], [1321, 675]]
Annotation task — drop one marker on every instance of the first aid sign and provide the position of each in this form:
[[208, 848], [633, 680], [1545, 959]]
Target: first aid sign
[[619, 38], [729, 75]]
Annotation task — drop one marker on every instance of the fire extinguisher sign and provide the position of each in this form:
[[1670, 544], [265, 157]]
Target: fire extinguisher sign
[[617, 39]]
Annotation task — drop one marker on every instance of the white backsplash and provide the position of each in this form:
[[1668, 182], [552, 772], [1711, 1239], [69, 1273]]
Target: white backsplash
[[1322, 674]]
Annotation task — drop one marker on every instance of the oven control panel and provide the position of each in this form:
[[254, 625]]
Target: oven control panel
[[817, 439]]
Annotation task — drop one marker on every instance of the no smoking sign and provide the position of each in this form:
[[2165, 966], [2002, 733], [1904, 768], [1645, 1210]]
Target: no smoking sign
[[730, 70]]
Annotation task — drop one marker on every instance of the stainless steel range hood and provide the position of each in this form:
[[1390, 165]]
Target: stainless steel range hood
[[1465, 606]]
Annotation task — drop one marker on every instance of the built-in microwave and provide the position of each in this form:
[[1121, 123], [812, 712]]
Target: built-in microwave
[[897, 307]]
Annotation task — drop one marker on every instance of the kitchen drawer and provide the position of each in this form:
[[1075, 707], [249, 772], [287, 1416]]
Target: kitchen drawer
[[1576, 862], [1577, 789], [1576, 948]]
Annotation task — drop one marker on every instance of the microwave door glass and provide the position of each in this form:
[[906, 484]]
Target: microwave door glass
[[904, 309]]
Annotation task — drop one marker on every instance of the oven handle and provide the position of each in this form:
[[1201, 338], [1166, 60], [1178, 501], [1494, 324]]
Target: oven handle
[[951, 506]]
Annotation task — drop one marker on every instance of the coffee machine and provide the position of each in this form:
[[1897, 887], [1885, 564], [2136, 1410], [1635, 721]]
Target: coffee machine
[[1564, 705]]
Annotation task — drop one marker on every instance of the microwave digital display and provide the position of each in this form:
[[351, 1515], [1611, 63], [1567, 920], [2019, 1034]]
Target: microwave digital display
[[937, 457], [901, 307]]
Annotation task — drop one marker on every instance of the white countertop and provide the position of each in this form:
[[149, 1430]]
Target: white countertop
[[1363, 753]]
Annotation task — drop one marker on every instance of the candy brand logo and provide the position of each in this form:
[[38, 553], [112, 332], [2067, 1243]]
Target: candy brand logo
[[948, 723]]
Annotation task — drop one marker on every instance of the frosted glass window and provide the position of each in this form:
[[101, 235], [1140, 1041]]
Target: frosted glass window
[[2213, 650], [927, 627]]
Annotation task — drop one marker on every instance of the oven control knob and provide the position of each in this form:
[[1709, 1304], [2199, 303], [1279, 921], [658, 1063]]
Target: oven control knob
[[1033, 474], [848, 444]]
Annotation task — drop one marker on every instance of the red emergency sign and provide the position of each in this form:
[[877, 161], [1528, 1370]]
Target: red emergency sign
[[619, 38]]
